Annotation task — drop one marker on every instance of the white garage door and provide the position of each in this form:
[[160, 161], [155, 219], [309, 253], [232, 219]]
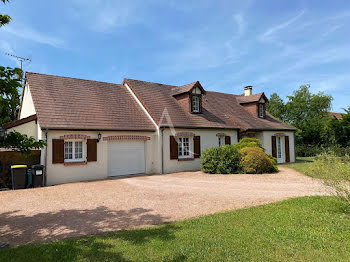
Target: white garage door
[[126, 158]]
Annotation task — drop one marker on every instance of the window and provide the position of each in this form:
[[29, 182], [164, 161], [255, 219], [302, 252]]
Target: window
[[73, 151], [221, 140], [184, 147], [261, 111], [195, 104]]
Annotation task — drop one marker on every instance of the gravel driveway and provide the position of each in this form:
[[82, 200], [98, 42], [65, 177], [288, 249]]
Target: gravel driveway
[[84, 208]]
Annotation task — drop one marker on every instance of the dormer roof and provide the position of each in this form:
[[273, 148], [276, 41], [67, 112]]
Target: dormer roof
[[252, 98], [178, 90]]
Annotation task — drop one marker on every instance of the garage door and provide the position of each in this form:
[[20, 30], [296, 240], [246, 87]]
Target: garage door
[[126, 158]]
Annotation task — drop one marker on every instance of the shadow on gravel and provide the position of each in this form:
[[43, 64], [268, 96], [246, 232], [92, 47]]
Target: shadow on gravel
[[18, 229]]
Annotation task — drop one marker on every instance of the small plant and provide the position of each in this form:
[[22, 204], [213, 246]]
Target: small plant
[[255, 161], [335, 172]]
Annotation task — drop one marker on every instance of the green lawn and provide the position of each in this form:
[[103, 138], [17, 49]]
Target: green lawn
[[301, 229], [302, 165]]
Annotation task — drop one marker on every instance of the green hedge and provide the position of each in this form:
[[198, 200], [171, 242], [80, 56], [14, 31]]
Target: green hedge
[[245, 157], [221, 160]]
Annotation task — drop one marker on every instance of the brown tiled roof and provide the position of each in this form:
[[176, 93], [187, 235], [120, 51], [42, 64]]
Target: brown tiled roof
[[336, 115], [220, 110], [70, 103], [251, 98]]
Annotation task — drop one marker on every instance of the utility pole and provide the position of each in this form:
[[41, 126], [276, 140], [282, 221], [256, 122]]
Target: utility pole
[[20, 59]]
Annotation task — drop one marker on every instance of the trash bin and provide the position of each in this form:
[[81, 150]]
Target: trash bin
[[30, 179], [37, 175], [19, 176]]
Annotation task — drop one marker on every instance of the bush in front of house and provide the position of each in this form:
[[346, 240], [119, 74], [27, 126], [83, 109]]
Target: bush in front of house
[[248, 142], [255, 161], [221, 160]]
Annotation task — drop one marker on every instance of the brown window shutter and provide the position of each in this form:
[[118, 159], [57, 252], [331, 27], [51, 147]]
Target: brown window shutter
[[57, 151], [274, 147], [191, 103], [227, 140], [174, 153], [197, 146], [91, 150], [200, 104], [286, 140]]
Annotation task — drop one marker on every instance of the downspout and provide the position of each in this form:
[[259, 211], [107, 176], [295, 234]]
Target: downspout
[[162, 148], [45, 159]]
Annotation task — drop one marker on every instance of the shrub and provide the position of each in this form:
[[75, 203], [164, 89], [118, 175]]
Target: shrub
[[248, 142], [335, 172], [314, 150], [255, 161], [221, 160]]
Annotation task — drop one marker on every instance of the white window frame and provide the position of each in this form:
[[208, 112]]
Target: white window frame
[[195, 104], [74, 159], [261, 110], [181, 147]]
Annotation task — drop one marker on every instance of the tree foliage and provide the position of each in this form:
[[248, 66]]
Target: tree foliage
[[21, 143], [10, 83], [339, 129], [4, 19], [305, 111]]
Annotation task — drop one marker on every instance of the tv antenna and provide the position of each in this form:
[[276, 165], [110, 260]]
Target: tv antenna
[[20, 59]]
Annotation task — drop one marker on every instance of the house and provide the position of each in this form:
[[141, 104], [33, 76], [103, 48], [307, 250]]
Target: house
[[95, 130], [338, 116]]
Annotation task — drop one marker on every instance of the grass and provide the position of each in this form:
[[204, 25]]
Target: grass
[[301, 229], [303, 165]]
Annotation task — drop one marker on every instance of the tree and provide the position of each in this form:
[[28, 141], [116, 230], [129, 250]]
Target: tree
[[21, 143], [309, 113], [339, 129], [10, 82], [4, 19], [276, 107]]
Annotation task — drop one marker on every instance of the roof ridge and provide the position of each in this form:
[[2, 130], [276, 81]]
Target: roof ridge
[[75, 78], [151, 82]]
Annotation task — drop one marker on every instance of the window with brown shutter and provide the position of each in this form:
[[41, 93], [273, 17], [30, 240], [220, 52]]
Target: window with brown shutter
[[91, 150], [274, 147], [174, 154], [197, 146], [227, 140], [57, 151], [286, 140]]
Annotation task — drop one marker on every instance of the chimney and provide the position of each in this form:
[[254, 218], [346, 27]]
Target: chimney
[[248, 91]]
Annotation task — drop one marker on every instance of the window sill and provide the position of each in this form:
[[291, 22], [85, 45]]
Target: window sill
[[185, 159], [80, 163]]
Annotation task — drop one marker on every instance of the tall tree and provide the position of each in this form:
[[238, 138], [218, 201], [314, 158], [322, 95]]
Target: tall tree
[[276, 107], [10, 82], [339, 129], [4, 19], [309, 113]]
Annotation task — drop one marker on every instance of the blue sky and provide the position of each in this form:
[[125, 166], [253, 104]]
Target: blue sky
[[276, 46]]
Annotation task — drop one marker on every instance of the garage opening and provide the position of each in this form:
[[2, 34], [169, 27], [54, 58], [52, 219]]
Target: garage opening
[[126, 158]]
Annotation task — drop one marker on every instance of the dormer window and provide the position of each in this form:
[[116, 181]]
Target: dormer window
[[195, 104], [261, 110]]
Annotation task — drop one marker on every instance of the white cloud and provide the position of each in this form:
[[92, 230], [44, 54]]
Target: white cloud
[[103, 16], [240, 23], [28, 33], [274, 29]]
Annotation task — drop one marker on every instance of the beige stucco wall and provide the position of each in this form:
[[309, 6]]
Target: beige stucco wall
[[208, 140], [59, 173], [29, 129], [266, 139], [27, 108]]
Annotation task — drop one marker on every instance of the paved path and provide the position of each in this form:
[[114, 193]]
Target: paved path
[[84, 208]]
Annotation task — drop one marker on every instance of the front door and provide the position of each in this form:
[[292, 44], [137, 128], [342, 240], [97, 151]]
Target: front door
[[279, 150]]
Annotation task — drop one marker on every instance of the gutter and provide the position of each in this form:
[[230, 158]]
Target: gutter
[[162, 148], [45, 160]]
